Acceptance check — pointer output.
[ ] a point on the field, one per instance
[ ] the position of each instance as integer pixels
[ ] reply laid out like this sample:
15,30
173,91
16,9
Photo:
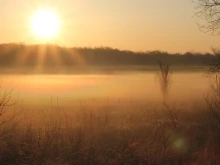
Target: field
102,82
118,118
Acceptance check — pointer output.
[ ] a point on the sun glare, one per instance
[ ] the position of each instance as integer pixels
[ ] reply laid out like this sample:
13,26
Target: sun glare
45,24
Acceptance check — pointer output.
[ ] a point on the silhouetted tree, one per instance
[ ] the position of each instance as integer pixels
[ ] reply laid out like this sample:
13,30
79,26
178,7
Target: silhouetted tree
209,10
215,66
164,76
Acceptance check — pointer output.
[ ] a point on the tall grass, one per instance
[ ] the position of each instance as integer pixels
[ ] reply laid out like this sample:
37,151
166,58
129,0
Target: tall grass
130,136
213,113
97,136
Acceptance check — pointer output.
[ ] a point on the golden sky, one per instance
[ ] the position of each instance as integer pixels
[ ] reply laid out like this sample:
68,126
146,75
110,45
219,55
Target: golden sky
139,25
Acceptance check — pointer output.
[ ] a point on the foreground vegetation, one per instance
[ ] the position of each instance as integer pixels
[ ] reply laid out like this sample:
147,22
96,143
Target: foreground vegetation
161,135
164,132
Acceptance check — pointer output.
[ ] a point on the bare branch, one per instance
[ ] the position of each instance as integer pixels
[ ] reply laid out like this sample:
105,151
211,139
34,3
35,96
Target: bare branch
209,11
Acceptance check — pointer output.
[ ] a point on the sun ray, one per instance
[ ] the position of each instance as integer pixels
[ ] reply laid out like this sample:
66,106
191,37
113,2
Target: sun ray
41,50
22,56
56,55
74,56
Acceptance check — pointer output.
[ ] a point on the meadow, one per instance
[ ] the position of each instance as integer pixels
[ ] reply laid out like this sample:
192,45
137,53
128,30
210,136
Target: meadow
118,118
88,104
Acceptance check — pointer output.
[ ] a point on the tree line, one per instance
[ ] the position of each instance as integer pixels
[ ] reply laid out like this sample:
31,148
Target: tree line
21,55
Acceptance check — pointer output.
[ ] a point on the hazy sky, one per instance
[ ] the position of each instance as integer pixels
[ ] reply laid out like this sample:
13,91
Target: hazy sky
139,25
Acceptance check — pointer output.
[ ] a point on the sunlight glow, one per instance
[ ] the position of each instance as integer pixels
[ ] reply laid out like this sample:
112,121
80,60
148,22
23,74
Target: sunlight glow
45,24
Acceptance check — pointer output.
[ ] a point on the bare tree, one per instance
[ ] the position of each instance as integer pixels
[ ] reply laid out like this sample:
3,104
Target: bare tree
214,66
209,11
7,113
164,76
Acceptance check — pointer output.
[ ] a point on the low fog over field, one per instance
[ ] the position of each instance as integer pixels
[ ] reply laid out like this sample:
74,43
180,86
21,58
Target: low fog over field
125,86
122,82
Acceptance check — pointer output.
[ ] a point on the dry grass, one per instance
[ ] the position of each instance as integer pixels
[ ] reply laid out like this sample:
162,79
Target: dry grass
98,136
126,135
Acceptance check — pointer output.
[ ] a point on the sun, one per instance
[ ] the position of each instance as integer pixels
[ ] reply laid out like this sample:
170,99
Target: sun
45,24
